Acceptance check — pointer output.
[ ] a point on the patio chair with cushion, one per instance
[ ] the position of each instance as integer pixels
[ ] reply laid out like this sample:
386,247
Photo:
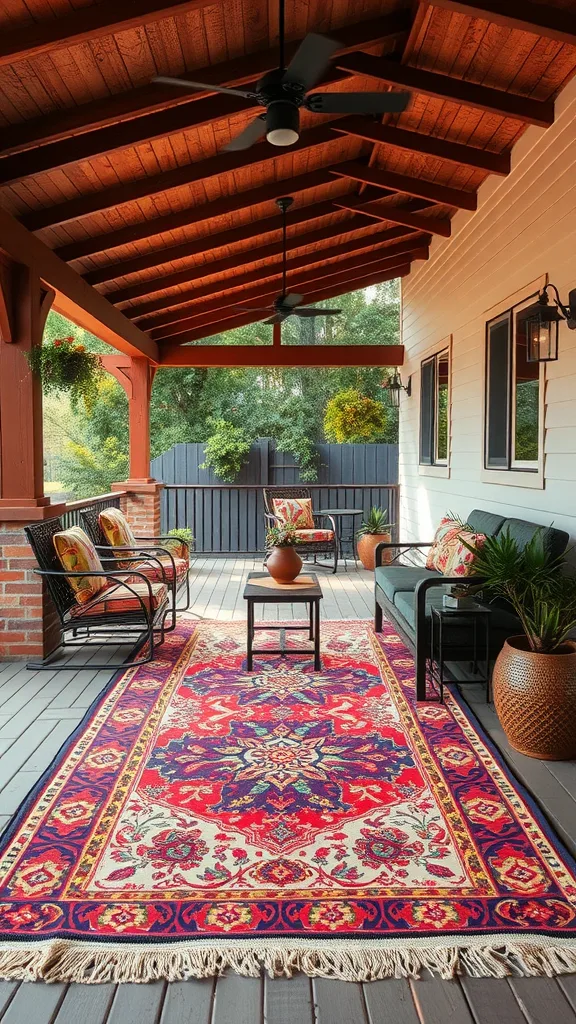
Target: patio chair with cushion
95,603
165,559
294,504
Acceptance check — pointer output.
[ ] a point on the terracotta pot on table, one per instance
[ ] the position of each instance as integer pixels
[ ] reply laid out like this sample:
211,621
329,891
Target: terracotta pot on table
535,699
284,564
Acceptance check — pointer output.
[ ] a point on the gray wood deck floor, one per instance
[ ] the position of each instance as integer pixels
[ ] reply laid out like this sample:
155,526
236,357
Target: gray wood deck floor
38,710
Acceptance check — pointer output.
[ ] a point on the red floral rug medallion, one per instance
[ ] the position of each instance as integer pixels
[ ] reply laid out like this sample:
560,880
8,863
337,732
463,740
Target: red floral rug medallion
203,816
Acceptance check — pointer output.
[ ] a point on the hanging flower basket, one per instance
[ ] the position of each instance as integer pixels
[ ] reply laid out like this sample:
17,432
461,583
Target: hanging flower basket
64,365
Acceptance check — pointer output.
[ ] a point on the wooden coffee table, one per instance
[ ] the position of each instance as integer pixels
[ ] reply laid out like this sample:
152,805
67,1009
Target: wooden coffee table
294,594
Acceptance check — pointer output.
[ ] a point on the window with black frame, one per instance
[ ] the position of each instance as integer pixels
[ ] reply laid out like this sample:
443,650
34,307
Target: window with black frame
513,396
434,409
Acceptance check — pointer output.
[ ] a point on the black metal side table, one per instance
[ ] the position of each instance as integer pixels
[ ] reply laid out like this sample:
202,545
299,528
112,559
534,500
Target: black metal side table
345,525
293,594
472,615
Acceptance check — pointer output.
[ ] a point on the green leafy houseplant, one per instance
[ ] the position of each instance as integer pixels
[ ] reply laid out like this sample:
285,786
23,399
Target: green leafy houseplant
541,593
64,365
183,534
226,450
376,522
281,536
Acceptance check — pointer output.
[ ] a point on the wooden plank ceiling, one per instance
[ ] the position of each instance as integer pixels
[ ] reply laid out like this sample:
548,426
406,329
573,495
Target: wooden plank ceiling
125,180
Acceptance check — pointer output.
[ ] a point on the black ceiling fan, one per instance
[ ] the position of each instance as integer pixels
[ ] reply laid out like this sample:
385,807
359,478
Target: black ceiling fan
283,91
287,303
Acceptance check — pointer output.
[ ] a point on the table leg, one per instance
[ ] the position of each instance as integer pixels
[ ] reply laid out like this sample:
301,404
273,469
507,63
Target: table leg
311,633
317,662
250,635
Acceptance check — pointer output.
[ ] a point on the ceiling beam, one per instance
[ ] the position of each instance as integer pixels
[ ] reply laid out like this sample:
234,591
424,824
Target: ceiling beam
252,255
206,243
382,210
196,214
181,303
74,298
404,183
147,98
442,87
337,273
557,23
425,145
86,23
221,163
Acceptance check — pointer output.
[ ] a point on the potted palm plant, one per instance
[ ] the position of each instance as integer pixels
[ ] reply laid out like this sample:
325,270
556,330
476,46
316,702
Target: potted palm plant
374,530
534,678
283,562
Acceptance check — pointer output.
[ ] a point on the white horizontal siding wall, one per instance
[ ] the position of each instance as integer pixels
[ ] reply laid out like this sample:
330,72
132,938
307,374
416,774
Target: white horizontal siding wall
525,227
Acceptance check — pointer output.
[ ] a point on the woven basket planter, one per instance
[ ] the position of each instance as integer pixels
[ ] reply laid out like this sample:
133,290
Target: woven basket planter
535,698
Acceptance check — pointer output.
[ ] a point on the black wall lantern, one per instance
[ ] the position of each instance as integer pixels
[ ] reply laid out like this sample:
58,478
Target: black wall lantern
542,319
394,387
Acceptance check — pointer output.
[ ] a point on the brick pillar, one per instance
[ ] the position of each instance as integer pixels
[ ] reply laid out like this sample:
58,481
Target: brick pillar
28,621
141,505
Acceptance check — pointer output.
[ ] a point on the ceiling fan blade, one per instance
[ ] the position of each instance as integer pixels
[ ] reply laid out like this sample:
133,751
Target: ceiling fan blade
292,299
251,309
316,312
357,102
310,61
184,82
252,132
278,318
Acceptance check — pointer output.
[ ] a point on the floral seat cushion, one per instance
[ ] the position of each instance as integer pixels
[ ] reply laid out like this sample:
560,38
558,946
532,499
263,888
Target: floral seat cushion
165,570
314,536
77,553
297,511
117,598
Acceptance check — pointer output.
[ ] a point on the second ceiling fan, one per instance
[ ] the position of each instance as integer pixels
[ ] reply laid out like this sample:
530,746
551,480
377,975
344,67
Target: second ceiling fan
287,304
283,91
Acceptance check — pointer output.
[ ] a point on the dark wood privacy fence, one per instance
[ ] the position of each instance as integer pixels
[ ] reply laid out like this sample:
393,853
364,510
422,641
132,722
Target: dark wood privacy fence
230,517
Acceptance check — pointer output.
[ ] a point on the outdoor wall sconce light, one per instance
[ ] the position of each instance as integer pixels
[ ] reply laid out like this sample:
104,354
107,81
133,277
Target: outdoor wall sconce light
542,321
394,387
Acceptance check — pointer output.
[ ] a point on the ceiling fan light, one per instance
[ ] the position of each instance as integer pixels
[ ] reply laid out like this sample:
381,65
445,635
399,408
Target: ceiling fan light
282,136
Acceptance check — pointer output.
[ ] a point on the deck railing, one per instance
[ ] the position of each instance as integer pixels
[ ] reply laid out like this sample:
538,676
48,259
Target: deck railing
71,517
229,518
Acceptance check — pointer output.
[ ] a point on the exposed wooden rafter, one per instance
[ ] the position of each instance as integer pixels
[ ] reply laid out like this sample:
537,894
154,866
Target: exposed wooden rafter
506,104
426,145
264,293
542,19
417,187
173,307
86,23
387,211
255,254
222,163
148,98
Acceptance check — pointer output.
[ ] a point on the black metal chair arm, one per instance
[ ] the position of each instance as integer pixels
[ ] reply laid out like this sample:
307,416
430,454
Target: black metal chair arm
424,586
138,551
405,546
324,515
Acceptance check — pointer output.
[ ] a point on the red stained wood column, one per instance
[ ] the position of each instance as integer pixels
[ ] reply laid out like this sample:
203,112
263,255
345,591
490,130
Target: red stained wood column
142,501
27,616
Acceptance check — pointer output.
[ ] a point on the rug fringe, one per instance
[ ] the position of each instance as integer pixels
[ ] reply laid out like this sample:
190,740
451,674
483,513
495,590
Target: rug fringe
64,961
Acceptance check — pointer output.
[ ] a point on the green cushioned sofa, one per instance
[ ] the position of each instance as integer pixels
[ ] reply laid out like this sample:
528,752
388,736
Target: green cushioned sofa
404,594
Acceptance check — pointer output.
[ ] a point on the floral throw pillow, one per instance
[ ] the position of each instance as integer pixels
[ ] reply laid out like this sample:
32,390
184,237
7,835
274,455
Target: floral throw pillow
77,553
461,560
446,535
298,511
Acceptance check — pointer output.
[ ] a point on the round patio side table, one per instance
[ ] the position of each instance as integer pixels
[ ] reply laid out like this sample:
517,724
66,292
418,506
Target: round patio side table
346,528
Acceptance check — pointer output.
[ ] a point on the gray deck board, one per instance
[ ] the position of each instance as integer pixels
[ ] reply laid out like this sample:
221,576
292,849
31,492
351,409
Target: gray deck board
45,707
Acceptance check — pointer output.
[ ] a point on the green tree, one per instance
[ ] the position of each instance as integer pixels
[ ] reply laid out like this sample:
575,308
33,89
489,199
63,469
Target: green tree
353,418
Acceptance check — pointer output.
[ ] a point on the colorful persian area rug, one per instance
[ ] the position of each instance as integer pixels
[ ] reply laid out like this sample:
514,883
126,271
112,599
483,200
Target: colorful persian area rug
203,817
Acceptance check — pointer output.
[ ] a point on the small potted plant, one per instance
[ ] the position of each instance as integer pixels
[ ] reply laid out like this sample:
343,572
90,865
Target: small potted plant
460,595
534,678
374,530
283,562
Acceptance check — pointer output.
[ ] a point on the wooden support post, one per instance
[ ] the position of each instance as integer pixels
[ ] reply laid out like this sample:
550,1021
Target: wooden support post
142,502
27,616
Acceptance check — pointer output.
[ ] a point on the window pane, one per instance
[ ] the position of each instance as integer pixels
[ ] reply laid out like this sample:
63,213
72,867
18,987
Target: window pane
442,370
497,399
526,398
427,412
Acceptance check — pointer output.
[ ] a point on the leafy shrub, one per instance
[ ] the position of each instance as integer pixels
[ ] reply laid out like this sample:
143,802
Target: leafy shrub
353,418
86,472
282,536
226,450
304,451
183,534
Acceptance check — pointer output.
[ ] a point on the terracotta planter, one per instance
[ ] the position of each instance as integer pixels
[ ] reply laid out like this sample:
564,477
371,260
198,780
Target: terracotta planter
535,698
367,545
284,564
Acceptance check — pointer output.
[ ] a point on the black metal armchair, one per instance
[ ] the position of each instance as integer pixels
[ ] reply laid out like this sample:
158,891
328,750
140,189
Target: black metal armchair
131,609
326,545
154,552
